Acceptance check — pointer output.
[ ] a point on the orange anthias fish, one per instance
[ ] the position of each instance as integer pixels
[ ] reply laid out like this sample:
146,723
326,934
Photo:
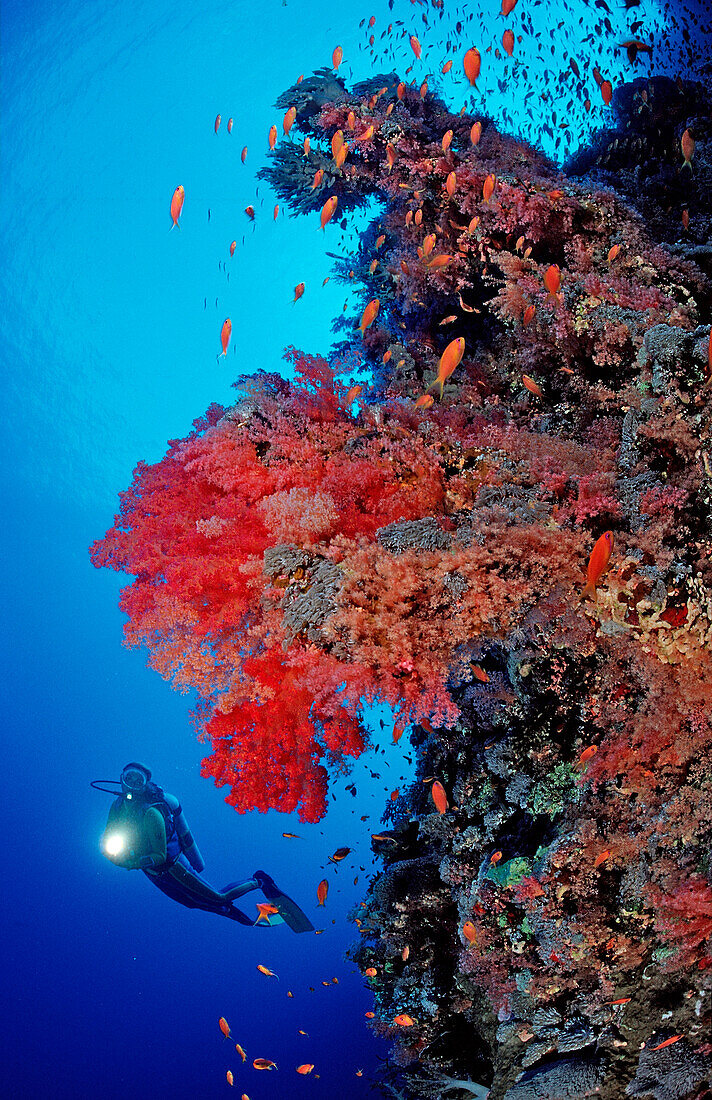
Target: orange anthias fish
508,42
488,187
495,857
264,1063
449,360
229,125
177,203
224,1027
369,315
328,210
469,931
472,63
687,143
321,891
588,753
601,857
218,120
272,137
265,911
250,211
241,1052
480,674
667,1042
267,972
425,401
351,395
229,1078
531,385
598,564
318,177
306,1068
451,184
476,132
291,836
225,333
508,6
415,45
437,792
404,1020
243,154
288,120
298,291
233,246
339,854
337,57
552,280
370,972
606,91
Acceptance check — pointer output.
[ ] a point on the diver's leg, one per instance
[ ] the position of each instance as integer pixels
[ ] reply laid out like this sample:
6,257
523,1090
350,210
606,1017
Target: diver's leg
233,913
192,882
237,889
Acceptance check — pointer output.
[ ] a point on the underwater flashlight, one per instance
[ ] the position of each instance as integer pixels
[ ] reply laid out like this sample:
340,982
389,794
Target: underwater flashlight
114,844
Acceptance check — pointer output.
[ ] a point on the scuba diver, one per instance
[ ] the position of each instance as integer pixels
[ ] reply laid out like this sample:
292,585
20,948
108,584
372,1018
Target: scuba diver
147,831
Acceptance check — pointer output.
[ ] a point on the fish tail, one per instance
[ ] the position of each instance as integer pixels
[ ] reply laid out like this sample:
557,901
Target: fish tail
589,592
442,383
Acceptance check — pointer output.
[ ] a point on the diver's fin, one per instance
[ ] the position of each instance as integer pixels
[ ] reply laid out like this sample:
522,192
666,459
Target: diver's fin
288,909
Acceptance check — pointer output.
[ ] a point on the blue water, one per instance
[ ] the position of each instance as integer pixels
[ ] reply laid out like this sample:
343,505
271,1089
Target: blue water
107,351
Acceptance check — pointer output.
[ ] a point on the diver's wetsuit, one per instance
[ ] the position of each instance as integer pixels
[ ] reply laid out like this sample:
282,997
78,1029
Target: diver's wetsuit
170,856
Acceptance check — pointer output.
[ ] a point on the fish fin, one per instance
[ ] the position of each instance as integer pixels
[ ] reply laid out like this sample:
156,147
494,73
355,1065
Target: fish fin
589,592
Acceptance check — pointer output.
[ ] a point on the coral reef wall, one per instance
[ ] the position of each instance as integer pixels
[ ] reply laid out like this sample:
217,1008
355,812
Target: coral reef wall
539,389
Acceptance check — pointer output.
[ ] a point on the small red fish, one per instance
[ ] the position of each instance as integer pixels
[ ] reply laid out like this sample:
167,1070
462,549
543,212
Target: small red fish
531,385
601,857
225,334
370,972
472,62
425,401
218,120
264,1063
177,203
439,797
266,971
288,120
667,1043
337,57
328,210
606,91
265,911
598,564
469,931
588,753
449,360
322,890
528,314
508,6
305,1069
508,42
229,1078
415,45
233,246
224,1027
476,133
495,858
272,137
613,252
369,315
552,280
229,125
480,674
298,291
687,144
243,154
404,1020
620,1001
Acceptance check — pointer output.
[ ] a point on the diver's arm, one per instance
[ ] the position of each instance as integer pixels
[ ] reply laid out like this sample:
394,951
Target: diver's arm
188,846
154,829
